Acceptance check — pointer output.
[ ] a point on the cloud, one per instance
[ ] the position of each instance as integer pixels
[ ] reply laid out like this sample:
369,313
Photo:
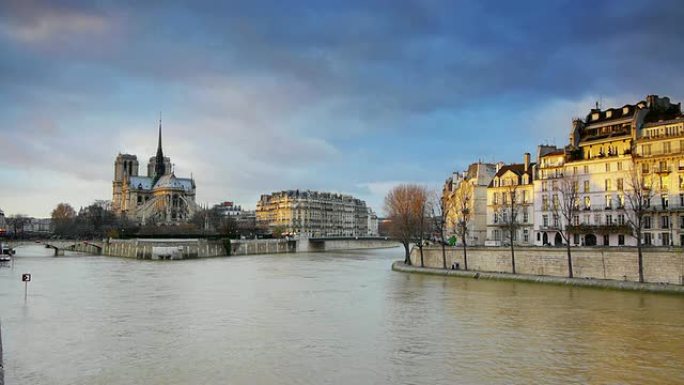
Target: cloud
34,24
259,96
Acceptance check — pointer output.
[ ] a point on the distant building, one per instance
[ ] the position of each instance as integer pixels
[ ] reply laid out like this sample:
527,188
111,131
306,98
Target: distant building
38,225
3,223
158,198
228,209
373,224
316,214
384,226
245,220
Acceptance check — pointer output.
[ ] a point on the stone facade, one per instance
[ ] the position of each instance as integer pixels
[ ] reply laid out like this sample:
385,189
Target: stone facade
659,158
465,194
510,198
607,150
315,214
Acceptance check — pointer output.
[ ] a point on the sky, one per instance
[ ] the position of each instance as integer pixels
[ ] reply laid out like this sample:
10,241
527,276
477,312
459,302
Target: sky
344,96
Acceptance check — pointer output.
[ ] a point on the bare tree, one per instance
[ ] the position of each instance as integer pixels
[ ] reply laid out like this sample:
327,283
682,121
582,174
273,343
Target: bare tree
421,206
565,206
403,207
507,211
462,201
17,223
638,196
440,213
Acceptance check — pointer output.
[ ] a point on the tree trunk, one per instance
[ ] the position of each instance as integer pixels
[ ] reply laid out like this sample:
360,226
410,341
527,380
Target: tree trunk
512,256
422,263
407,257
567,244
443,255
640,261
465,255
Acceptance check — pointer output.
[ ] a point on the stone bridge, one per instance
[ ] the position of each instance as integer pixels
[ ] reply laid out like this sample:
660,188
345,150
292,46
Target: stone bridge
343,243
59,246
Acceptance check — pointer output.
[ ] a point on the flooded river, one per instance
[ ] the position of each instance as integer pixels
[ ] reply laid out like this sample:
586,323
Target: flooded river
331,318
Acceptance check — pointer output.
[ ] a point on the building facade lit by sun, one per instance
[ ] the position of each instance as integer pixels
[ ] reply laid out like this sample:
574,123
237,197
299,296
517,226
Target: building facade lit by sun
607,150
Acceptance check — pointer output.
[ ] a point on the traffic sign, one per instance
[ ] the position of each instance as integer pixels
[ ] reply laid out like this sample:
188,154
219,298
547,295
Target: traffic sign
26,277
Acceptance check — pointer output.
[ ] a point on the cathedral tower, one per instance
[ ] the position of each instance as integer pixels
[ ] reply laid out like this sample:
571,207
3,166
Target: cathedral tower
125,165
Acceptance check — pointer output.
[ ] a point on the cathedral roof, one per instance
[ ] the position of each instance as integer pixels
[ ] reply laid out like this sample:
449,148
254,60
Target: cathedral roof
141,182
170,181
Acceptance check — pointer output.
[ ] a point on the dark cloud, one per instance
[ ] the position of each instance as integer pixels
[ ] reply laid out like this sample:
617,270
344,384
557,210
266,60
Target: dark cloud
346,96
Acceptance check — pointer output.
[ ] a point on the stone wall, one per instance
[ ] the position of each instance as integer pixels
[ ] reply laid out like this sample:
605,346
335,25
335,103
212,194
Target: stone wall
163,248
660,265
354,244
305,245
192,248
262,246
84,247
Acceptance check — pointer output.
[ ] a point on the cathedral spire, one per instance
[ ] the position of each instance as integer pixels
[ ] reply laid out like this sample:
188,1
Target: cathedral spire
159,167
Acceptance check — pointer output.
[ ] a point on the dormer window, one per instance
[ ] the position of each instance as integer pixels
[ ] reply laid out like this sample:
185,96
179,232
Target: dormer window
595,116
609,114
625,110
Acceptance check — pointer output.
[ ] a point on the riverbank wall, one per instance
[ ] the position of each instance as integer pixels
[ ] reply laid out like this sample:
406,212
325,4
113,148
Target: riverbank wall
262,246
581,282
192,248
163,248
306,245
661,266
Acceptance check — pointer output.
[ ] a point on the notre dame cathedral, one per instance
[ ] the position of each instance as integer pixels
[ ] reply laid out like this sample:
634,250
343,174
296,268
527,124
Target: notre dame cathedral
158,198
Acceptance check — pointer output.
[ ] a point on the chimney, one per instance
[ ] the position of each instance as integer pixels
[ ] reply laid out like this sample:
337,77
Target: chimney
526,161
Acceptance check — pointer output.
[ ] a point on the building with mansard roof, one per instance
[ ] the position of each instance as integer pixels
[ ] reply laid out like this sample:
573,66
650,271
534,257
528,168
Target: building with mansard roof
160,197
465,197
510,197
315,214
607,150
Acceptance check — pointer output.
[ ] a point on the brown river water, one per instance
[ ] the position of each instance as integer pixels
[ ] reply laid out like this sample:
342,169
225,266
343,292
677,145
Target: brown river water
321,318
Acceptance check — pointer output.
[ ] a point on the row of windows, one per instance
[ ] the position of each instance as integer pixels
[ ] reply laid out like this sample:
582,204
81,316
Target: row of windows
504,197
503,217
608,166
672,130
619,219
499,235
586,186
665,148
586,202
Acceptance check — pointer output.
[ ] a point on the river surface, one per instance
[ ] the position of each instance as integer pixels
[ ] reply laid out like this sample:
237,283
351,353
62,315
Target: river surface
331,318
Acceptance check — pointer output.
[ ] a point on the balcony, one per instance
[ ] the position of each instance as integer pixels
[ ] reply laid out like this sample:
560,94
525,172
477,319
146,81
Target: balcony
662,170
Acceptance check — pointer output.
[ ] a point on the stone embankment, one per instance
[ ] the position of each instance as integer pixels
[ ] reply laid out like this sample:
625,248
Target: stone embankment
192,248
603,267
584,282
